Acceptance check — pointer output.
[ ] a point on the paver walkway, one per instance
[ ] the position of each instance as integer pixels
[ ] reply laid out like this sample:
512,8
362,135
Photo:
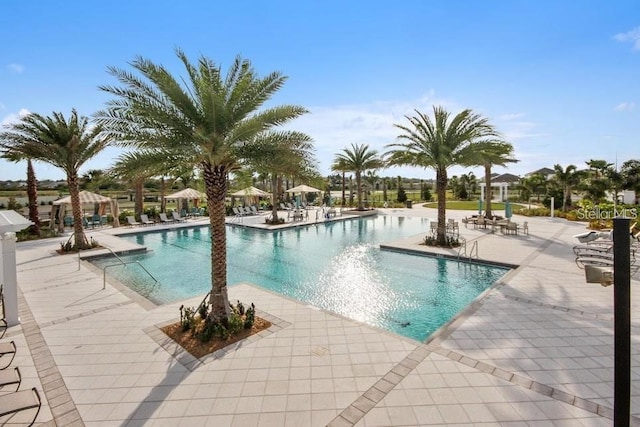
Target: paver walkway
536,349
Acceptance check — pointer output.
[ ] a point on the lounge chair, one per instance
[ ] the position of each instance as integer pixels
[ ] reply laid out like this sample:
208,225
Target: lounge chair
237,211
131,221
19,401
247,210
68,221
254,210
283,207
7,349
177,217
164,219
96,220
145,220
10,377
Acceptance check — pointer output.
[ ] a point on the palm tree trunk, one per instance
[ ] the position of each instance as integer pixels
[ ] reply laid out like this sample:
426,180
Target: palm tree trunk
139,205
163,189
32,196
487,190
344,187
274,198
216,185
359,190
441,190
384,189
78,228
564,199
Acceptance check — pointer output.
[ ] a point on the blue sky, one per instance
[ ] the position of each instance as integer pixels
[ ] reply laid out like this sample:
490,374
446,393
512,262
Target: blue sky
560,80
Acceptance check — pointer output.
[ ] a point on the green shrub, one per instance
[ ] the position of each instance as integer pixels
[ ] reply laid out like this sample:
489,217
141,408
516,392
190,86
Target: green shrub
203,327
449,241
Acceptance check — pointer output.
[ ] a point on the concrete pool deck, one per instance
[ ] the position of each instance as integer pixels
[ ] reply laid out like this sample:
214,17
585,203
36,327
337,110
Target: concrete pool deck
536,349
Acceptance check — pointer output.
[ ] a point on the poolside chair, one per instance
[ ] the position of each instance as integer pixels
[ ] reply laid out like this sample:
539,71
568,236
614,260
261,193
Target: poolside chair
145,220
511,228
164,219
237,211
68,221
131,221
177,218
254,210
248,211
96,220
10,377
7,349
195,212
525,227
283,207
19,401
85,222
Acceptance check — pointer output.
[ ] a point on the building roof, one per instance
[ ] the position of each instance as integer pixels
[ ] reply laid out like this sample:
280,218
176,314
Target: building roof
506,177
542,171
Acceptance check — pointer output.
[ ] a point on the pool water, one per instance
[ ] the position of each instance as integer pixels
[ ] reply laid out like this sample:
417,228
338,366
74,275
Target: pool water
336,266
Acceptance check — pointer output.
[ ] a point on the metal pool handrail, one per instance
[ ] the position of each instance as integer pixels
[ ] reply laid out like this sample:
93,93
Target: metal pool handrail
122,262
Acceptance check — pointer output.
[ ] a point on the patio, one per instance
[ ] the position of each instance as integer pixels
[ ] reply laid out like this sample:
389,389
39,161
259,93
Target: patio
534,349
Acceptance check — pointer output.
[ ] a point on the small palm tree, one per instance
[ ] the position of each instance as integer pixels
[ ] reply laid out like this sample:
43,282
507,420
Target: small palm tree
339,165
440,143
64,143
493,153
209,117
358,159
567,178
32,191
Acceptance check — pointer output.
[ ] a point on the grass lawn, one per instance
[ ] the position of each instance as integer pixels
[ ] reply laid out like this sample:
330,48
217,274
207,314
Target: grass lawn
467,205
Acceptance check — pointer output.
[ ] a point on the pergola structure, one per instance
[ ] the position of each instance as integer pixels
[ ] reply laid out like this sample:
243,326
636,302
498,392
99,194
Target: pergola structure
502,186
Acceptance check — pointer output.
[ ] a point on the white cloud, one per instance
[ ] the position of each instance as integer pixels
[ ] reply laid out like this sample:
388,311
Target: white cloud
511,116
16,68
14,117
335,128
626,106
632,36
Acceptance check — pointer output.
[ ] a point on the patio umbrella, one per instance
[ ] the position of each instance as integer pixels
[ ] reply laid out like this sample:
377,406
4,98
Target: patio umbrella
87,197
303,189
186,194
251,192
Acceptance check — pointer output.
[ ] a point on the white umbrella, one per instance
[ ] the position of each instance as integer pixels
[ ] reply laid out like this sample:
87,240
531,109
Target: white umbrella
187,193
303,189
87,197
251,191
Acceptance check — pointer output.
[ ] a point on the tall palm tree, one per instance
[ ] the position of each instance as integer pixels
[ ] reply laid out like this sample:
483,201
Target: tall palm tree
567,178
64,143
32,191
280,153
209,116
358,159
137,166
440,143
339,165
493,153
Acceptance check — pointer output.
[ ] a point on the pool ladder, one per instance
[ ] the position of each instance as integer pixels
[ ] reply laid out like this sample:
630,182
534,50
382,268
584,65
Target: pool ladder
462,252
122,262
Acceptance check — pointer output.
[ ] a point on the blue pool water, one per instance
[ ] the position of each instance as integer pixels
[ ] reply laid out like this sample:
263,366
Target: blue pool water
336,266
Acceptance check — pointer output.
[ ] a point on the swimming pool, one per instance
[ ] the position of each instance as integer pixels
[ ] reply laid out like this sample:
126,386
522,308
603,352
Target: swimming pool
336,266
